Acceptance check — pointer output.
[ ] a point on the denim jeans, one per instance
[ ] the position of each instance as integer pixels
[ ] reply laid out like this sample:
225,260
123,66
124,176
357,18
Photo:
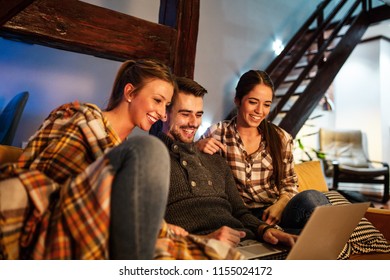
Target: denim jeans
139,196
298,210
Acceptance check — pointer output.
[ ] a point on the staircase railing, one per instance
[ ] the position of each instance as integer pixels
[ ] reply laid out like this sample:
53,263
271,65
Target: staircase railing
293,43
298,48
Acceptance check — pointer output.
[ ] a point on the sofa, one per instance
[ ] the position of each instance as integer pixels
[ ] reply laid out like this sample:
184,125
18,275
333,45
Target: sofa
373,230
310,176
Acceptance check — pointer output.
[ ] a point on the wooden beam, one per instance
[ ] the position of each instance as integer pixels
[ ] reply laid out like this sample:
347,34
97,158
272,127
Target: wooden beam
184,16
84,28
11,8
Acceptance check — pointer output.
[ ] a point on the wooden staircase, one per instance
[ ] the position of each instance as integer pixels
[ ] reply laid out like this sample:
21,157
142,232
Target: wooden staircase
305,69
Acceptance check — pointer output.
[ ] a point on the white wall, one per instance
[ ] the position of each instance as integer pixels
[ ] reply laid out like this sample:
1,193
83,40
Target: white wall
234,36
362,96
384,65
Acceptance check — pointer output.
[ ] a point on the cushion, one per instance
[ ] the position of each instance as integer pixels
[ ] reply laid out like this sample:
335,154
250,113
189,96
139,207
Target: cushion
365,238
310,176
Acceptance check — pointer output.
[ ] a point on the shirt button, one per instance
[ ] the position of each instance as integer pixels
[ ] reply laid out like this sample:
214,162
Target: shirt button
184,163
193,183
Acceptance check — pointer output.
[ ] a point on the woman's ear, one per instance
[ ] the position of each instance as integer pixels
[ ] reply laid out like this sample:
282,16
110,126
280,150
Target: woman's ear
128,91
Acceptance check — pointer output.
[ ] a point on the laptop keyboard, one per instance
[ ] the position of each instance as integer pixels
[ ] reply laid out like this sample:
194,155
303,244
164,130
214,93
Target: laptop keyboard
277,255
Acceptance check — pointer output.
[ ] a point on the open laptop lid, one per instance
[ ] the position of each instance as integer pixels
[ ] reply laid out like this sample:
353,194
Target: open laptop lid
327,231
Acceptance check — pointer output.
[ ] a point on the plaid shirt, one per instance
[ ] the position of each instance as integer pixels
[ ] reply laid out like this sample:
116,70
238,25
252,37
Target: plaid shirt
68,185
254,173
55,201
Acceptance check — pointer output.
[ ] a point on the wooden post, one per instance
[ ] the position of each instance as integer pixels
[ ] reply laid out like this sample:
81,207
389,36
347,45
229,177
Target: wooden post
183,15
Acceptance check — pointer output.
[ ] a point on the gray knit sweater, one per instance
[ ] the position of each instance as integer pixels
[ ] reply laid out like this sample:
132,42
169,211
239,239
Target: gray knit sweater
203,196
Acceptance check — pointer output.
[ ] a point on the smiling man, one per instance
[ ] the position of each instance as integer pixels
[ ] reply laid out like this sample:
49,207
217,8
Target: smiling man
203,198
185,118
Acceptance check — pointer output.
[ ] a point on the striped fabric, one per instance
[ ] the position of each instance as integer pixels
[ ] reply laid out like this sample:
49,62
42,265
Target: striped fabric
254,173
365,238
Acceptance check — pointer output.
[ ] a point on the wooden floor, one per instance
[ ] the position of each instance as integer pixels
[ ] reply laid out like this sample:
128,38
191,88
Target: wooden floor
371,192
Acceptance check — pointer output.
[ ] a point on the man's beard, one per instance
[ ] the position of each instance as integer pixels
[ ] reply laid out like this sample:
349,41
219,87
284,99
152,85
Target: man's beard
179,137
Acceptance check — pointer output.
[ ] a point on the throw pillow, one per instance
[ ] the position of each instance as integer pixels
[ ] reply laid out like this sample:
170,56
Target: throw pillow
310,176
365,238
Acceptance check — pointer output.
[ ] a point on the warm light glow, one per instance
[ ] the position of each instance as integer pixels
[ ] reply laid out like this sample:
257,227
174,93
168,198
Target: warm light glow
277,46
202,128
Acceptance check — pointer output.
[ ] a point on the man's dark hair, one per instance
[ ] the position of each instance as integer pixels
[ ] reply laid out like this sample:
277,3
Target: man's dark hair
187,86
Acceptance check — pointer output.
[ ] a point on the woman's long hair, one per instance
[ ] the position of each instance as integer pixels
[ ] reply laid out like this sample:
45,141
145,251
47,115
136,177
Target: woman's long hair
138,72
272,133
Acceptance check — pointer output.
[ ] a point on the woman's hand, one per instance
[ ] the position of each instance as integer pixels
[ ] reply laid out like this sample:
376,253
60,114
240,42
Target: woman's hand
273,214
210,146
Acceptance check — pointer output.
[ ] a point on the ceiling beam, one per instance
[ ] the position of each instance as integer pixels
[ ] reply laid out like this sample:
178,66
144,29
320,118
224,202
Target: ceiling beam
11,8
84,28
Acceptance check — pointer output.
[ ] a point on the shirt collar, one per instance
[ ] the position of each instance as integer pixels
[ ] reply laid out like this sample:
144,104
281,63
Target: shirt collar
233,122
176,146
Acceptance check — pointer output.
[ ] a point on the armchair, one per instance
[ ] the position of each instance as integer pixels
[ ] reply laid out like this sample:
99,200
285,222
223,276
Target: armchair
346,160
10,117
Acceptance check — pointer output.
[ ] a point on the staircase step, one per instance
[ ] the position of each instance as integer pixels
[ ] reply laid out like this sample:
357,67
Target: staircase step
314,52
280,92
288,105
292,79
278,118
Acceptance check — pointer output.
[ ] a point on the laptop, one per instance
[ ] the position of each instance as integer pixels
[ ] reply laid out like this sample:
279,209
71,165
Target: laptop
323,237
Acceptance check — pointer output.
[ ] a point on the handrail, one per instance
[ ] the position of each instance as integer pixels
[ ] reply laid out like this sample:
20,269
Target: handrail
319,30
300,33
321,50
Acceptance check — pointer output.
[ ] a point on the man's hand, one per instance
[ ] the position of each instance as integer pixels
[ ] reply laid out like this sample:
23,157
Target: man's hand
227,235
210,146
177,230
